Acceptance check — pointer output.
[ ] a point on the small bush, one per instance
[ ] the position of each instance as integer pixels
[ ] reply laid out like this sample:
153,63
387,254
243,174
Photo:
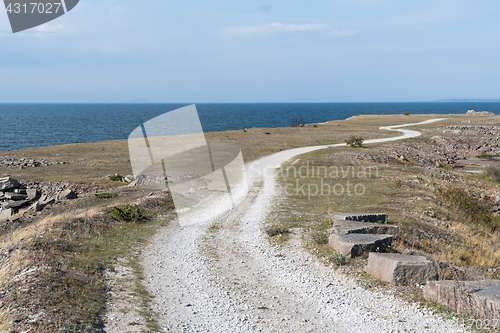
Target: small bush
315,125
127,213
116,178
267,133
320,238
271,232
106,195
494,173
355,141
484,155
339,260
407,113
477,210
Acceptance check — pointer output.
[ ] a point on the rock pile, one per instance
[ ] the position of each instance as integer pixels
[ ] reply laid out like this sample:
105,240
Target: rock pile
15,196
25,163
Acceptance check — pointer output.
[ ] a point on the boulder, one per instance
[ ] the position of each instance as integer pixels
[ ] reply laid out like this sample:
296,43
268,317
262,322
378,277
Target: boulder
47,201
401,270
477,298
7,183
354,245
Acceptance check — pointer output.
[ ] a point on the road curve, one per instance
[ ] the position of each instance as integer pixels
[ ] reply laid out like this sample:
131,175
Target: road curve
227,278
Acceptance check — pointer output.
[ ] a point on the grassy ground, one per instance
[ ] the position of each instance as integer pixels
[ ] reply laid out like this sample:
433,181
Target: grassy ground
62,258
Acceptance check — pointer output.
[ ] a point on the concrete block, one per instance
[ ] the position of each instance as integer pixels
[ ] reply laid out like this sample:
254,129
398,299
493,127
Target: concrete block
400,269
361,217
354,245
478,298
352,227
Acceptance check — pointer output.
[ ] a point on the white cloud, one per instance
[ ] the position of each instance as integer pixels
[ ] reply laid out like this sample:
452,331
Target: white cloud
342,33
267,29
47,28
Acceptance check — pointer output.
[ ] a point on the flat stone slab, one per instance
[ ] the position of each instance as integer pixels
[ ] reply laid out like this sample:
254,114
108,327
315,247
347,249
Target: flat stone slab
7,183
354,245
353,227
361,217
478,298
400,269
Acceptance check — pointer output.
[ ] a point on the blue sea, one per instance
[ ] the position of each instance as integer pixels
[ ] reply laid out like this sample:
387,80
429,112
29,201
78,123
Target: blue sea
38,125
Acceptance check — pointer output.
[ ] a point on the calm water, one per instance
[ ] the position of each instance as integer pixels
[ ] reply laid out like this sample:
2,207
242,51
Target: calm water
38,125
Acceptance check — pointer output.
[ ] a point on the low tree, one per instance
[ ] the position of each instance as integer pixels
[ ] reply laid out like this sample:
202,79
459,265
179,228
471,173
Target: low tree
355,141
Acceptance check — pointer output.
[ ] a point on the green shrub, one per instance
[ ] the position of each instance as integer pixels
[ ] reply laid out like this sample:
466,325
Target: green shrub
271,232
106,195
407,113
320,238
494,173
339,260
267,133
476,210
116,178
127,213
484,155
355,141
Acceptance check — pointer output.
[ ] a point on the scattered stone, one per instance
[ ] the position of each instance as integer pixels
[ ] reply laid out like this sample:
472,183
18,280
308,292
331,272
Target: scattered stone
401,270
477,298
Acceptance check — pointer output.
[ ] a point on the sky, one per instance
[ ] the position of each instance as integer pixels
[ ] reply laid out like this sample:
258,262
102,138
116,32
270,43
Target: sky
200,51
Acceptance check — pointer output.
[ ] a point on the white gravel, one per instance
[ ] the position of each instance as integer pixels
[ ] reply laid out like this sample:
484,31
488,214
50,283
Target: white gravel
228,279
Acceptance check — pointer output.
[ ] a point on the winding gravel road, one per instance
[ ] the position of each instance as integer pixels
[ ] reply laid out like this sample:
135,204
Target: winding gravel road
225,277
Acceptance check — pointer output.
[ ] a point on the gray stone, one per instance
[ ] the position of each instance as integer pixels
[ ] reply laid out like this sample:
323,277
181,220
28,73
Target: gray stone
18,204
36,207
15,196
5,213
8,183
33,194
128,178
67,195
48,201
477,298
401,270
354,245
361,217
